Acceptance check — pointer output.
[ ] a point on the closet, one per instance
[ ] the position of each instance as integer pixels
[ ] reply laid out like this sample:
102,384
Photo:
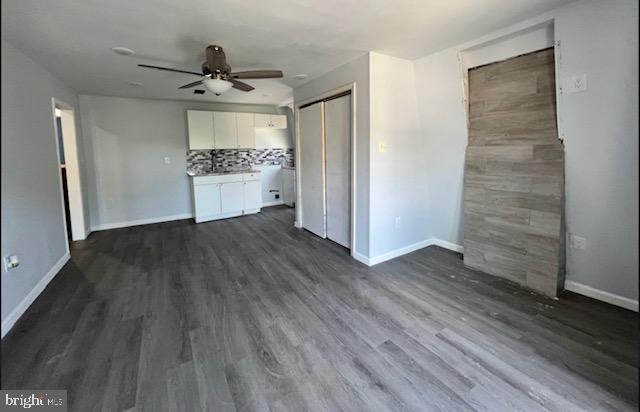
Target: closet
325,168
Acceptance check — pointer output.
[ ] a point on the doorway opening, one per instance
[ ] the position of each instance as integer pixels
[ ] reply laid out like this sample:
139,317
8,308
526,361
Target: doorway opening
69,170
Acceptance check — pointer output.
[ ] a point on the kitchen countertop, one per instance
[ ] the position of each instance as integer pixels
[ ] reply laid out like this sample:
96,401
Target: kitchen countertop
218,172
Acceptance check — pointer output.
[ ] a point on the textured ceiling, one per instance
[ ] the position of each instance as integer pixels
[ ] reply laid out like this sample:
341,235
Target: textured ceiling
72,38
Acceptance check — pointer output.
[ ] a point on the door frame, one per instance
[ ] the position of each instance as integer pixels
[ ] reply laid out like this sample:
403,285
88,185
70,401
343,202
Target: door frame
70,141
349,87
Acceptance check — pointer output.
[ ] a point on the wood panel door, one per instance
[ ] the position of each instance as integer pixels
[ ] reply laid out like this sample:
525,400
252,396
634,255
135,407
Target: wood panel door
312,163
514,173
337,122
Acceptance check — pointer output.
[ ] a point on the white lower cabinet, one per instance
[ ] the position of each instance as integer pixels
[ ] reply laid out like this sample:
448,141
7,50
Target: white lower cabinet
222,196
232,195
207,200
252,195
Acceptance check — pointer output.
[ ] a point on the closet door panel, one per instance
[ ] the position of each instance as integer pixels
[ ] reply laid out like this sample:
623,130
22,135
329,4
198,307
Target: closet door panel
312,169
338,169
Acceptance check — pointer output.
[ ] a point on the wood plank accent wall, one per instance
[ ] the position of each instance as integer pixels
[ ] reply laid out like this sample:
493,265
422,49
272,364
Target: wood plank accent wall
514,174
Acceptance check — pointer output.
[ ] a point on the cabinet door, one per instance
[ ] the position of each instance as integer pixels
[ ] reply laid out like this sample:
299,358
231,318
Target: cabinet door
262,120
279,121
225,130
288,186
200,128
252,195
232,197
246,131
207,200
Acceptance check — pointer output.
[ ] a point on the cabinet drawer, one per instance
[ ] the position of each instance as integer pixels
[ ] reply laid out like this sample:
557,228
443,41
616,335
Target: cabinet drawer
204,180
250,176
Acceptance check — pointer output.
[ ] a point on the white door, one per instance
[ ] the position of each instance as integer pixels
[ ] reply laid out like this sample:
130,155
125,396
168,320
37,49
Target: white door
207,200
200,128
225,130
252,195
232,197
337,120
246,131
312,169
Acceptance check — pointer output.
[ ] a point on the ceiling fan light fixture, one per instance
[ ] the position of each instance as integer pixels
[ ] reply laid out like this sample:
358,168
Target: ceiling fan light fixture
217,86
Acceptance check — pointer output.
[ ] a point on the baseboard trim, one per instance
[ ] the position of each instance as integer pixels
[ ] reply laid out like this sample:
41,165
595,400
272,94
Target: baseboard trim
22,307
399,252
276,203
149,221
370,261
447,245
360,258
598,294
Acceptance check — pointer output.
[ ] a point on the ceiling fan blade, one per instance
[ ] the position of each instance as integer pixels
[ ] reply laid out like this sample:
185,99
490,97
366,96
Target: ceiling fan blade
257,74
240,85
189,85
169,69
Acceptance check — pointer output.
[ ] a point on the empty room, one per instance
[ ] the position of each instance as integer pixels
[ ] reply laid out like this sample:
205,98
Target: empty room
319,205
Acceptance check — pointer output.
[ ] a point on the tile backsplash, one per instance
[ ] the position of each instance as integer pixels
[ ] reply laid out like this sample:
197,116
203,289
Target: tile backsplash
201,160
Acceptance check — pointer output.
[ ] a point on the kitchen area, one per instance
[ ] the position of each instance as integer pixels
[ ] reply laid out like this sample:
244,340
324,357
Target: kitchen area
239,163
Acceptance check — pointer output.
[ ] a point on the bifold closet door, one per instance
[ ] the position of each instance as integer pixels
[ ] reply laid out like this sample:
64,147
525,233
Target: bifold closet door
312,164
337,120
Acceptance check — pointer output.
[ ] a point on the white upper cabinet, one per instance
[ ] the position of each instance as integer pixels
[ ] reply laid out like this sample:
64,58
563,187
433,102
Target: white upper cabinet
278,121
200,127
275,121
228,130
262,120
246,130
225,130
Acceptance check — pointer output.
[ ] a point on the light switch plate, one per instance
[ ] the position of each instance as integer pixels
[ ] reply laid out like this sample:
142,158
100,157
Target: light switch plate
576,83
382,147
578,242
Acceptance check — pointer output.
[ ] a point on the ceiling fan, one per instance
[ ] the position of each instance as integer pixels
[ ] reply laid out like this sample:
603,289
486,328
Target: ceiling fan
218,77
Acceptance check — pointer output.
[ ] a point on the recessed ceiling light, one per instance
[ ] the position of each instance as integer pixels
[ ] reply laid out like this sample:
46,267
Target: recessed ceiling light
122,50
135,83
301,76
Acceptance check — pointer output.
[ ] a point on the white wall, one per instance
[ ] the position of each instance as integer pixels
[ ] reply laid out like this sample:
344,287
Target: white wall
356,71
398,174
126,141
600,128
32,213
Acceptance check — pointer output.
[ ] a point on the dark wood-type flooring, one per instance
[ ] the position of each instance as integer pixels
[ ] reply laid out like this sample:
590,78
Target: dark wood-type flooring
253,314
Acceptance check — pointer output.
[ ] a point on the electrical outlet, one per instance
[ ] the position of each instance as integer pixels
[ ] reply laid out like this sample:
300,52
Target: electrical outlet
11,262
578,242
576,84
397,222
167,160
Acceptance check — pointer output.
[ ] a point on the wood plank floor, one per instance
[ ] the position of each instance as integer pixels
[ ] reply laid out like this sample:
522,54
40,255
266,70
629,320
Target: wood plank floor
251,314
